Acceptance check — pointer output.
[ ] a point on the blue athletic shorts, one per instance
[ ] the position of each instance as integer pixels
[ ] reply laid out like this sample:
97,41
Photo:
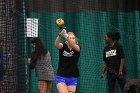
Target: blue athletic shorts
72,81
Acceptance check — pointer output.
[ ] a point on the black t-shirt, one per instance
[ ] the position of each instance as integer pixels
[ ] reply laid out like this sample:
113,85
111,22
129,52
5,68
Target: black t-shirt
68,60
112,57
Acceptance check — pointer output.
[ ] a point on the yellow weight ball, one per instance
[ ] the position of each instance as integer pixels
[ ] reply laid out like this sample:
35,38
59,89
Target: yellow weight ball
59,22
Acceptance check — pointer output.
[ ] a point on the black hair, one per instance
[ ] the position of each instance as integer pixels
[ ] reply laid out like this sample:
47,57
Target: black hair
114,35
36,40
40,50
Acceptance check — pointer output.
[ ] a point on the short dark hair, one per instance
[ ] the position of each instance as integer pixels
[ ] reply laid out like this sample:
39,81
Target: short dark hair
114,35
36,40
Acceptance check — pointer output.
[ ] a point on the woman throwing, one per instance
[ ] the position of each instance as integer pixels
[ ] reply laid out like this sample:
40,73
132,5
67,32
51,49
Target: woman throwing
69,53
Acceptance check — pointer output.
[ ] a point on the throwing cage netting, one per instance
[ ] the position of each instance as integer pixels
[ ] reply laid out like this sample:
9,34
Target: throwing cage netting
14,53
88,19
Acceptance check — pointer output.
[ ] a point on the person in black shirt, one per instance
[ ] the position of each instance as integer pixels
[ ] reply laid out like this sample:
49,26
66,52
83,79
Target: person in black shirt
69,53
113,57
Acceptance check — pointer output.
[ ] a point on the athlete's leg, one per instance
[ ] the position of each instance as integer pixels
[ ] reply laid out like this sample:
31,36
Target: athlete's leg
42,86
49,86
71,89
71,83
111,85
122,82
62,87
61,84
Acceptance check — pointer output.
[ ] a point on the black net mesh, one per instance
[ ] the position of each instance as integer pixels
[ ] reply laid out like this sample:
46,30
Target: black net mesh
9,37
12,36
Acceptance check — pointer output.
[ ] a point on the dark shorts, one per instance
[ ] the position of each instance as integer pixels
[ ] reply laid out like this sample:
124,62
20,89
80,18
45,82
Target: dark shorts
72,81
